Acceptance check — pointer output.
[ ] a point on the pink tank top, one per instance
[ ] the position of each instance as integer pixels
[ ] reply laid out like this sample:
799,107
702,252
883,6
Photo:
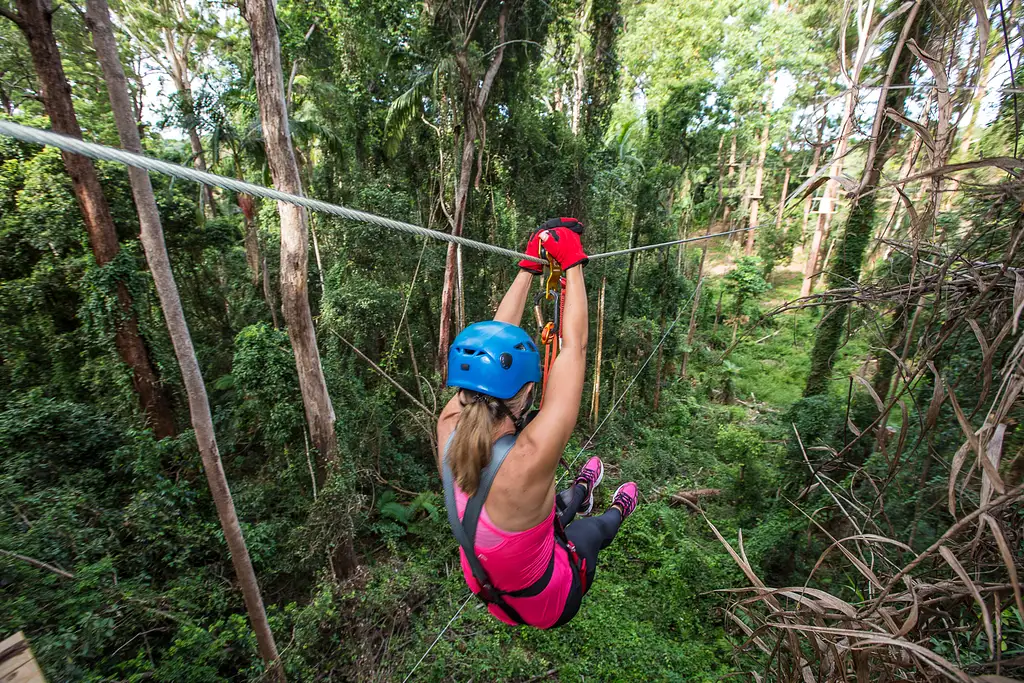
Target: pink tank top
514,560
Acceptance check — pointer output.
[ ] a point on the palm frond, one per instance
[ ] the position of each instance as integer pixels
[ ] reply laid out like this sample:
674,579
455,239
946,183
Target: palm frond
410,104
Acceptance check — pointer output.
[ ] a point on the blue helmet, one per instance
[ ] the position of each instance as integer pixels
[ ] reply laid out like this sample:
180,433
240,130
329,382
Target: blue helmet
493,358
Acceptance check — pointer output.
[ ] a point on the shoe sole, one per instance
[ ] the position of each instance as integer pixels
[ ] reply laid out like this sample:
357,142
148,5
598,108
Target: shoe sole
600,478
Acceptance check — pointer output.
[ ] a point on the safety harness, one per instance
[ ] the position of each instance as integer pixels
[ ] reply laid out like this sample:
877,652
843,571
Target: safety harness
465,533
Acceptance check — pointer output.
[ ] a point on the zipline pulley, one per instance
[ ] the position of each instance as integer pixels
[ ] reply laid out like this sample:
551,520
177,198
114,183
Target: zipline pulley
550,332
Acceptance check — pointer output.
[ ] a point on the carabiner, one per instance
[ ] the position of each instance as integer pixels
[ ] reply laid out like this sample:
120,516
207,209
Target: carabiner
554,275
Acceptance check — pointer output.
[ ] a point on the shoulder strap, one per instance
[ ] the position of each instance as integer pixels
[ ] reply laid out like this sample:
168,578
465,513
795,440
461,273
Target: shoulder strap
464,530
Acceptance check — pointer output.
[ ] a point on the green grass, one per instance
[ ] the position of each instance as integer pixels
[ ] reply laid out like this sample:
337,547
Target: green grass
774,371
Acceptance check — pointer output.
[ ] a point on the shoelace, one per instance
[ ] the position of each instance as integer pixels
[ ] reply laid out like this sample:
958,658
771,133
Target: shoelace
627,501
589,476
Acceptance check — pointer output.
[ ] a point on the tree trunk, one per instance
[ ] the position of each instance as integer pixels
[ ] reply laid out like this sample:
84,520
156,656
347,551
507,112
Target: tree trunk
34,18
798,248
727,209
251,237
755,199
745,199
266,57
692,330
823,263
595,399
782,204
450,264
579,73
828,200
268,294
266,53
477,90
850,247
177,61
98,20
603,71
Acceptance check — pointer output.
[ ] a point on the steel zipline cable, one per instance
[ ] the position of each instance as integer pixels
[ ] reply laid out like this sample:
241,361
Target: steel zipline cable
104,153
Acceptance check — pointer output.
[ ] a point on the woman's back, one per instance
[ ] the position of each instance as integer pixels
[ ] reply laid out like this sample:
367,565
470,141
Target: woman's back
524,486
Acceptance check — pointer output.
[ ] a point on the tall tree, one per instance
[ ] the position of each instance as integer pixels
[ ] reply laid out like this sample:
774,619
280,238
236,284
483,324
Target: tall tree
169,31
98,21
755,199
266,57
860,223
476,89
868,27
34,18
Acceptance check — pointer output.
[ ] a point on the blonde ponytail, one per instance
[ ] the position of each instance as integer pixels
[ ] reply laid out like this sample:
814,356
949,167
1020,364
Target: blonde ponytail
474,434
471,448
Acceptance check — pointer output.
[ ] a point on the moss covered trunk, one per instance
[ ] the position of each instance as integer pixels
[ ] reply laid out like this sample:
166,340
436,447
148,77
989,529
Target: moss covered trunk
849,250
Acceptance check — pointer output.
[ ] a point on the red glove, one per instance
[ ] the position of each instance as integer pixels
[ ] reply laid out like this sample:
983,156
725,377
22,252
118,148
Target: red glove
564,246
533,246
533,249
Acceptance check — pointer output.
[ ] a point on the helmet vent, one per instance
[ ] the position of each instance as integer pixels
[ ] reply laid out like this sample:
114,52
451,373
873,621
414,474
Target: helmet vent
520,346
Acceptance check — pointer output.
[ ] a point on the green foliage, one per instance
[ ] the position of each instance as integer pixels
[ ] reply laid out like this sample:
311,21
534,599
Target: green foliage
620,114
265,387
746,281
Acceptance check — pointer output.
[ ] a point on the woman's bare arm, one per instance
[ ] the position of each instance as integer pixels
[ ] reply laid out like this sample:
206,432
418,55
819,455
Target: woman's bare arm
548,433
514,303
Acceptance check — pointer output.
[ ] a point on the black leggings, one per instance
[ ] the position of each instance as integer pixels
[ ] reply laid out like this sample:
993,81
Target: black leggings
590,535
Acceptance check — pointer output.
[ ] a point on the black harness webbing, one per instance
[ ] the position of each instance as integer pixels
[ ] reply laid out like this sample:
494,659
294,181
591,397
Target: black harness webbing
464,530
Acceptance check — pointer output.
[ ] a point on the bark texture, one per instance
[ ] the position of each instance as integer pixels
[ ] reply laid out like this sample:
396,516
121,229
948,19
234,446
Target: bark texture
34,18
98,21
266,56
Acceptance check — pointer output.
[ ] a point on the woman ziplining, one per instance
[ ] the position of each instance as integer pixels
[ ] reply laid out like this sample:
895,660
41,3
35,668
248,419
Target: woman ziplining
521,551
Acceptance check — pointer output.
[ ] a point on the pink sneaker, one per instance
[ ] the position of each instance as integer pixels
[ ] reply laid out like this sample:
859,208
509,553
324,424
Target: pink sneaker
590,476
626,497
